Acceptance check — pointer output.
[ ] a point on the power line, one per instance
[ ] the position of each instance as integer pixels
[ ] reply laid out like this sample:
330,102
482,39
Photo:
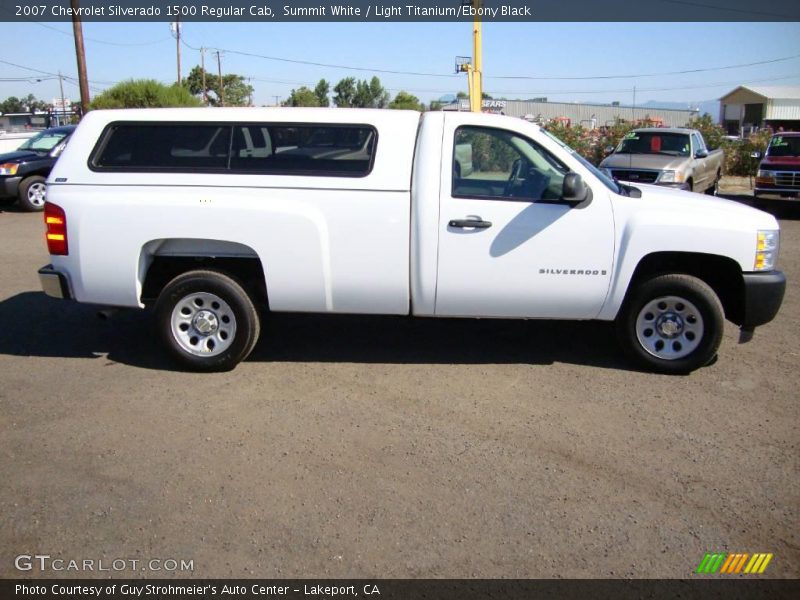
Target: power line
96,41
728,9
526,77
632,76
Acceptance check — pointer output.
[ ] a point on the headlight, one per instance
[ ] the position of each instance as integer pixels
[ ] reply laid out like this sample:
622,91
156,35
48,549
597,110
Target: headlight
670,177
763,176
9,169
767,246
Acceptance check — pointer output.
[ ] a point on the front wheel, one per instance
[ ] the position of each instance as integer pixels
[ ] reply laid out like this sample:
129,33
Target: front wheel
672,324
207,321
31,193
714,189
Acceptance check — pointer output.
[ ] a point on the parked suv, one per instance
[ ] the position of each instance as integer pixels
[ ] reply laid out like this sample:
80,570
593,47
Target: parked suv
23,172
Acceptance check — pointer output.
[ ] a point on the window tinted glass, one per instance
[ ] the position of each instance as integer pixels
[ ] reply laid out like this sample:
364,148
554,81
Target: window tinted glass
152,147
493,163
303,149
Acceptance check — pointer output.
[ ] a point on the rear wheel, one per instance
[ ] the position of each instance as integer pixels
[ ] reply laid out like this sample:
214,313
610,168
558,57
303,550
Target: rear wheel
672,324
207,321
31,193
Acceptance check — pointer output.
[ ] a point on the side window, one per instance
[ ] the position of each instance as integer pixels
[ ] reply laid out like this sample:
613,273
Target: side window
494,163
698,142
304,149
281,149
152,147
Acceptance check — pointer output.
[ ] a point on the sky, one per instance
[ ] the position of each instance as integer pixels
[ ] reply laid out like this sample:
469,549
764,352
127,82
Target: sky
119,51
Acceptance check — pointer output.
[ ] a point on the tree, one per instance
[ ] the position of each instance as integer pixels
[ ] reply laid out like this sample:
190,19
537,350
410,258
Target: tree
12,104
360,94
713,134
302,97
345,93
406,101
321,92
236,90
144,93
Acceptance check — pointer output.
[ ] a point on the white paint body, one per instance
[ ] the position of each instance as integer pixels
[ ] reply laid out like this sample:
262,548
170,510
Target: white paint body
381,243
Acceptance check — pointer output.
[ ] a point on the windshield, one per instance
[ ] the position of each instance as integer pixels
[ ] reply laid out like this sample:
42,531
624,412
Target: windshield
43,142
784,146
604,179
657,142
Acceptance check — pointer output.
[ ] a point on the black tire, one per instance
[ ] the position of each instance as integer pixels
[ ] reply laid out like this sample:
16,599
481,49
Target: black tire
686,317
220,299
31,193
714,189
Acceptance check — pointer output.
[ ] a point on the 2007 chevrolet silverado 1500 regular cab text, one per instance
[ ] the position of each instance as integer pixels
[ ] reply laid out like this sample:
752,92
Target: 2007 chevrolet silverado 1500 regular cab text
211,214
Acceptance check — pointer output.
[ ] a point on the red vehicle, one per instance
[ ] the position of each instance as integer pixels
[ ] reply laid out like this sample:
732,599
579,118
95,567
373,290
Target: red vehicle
779,171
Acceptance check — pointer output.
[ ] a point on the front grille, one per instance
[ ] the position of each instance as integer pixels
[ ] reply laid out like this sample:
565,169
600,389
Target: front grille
787,179
635,175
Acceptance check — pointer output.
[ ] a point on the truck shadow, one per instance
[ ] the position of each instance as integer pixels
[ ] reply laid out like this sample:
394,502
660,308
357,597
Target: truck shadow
35,325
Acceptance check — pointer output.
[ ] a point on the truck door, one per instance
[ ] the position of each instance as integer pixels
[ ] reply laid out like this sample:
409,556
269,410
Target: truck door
700,166
507,246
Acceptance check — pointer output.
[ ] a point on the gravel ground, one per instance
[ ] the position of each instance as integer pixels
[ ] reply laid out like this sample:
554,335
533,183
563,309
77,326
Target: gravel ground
385,447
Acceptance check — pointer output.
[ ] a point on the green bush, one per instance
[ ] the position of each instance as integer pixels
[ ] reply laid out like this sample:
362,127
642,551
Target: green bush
738,153
144,93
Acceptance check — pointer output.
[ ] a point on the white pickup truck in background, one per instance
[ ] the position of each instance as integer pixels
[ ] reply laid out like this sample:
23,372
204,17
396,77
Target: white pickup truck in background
212,214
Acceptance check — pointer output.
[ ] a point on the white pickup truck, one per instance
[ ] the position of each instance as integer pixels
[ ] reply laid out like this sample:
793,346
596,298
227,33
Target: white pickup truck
215,216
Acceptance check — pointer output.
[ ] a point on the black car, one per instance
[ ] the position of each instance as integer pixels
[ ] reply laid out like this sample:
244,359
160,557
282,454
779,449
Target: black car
24,171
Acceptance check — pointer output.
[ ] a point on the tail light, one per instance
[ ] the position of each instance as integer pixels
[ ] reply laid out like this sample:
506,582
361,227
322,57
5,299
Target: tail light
55,219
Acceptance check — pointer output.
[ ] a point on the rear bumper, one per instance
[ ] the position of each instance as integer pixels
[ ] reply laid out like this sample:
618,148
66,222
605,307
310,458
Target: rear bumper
9,187
54,283
763,295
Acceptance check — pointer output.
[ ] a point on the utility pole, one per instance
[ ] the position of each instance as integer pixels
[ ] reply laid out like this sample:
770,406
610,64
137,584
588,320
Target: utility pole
80,52
203,71
63,100
476,92
221,88
277,98
474,68
178,45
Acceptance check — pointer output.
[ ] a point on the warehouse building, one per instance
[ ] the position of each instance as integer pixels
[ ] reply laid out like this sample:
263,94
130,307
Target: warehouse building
752,107
590,116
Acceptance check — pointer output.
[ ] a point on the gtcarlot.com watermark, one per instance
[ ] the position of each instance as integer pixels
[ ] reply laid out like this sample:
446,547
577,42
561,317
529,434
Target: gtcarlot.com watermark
45,562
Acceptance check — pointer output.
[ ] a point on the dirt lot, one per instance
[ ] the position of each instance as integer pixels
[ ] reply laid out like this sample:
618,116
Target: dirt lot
384,447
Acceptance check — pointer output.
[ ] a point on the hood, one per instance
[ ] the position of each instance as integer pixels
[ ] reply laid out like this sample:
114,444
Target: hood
696,206
778,161
18,156
656,162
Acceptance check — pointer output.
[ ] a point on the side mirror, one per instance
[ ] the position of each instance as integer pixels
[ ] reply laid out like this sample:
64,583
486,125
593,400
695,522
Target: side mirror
701,154
755,154
574,190
609,149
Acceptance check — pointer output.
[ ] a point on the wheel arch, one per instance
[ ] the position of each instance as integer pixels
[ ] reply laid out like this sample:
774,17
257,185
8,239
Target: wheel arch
721,273
161,260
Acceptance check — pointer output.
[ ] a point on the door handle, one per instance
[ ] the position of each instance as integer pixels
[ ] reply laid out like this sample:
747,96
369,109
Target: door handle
464,223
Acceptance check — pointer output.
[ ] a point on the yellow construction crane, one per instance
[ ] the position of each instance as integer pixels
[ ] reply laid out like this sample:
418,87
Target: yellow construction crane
474,68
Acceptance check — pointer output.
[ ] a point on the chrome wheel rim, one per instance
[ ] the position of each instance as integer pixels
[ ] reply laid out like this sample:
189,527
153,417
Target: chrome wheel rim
36,193
203,324
669,327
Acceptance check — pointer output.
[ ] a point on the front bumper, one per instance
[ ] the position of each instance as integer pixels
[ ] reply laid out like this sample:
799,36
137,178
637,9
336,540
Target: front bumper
54,283
9,187
763,295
